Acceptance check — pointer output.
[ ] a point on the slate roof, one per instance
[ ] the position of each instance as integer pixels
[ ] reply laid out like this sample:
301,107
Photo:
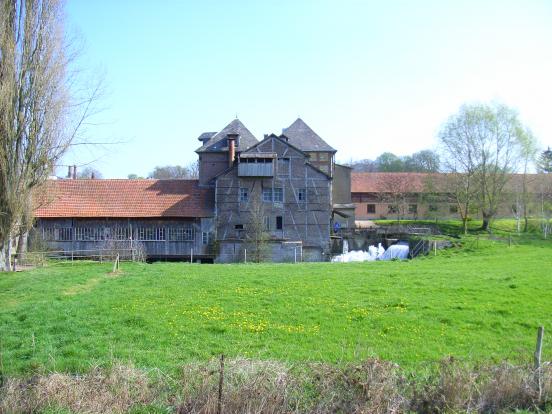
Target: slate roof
125,199
304,138
206,135
218,141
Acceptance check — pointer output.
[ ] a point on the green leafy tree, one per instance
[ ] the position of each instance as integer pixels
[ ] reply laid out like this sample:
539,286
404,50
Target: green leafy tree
389,162
544,161
425,161
483,143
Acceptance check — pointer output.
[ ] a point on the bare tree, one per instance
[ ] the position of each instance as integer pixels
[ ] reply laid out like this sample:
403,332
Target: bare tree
482,144
397,190
167,172
529,150
89,173
39,116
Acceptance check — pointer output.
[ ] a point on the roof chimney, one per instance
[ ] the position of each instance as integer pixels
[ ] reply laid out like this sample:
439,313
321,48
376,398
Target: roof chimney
70,172
74,172
231,148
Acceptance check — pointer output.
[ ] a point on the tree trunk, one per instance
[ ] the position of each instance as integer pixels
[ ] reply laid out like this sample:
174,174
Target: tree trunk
22,243
2,258
486,222
465,224
5,256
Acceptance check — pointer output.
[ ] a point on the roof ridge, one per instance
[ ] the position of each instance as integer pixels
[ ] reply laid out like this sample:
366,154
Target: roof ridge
304,137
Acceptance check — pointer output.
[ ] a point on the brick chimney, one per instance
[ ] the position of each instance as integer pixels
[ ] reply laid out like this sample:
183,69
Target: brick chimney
232,138
74,172
70,172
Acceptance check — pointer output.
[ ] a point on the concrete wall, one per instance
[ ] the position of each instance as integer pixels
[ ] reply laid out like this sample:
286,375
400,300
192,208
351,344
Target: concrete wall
341,188
235,251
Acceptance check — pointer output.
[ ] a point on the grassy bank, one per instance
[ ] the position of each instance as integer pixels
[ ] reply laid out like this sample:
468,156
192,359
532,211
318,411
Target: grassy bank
252,386
479,302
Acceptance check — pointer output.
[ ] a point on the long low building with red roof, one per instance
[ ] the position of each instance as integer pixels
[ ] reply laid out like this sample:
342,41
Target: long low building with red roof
170,218
407,195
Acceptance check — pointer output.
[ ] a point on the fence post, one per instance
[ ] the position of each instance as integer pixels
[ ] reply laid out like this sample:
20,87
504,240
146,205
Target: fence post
295,254
435,247
191,255
538,354
245,255
221,380
116,264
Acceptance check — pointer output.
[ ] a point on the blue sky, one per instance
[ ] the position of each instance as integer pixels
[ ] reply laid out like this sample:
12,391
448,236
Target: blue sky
367,76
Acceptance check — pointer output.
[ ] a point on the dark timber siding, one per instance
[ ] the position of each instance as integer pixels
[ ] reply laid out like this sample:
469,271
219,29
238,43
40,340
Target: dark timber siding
306,220
92,234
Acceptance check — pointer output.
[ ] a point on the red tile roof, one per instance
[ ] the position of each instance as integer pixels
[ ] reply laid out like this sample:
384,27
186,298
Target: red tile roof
370,182
378,182
125,198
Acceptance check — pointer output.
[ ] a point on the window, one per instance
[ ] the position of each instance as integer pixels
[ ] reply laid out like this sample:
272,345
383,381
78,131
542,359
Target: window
120,233
244,194
267,223
181,234
283,166
279,195
267,194
145,234
433,207
160,233
413,208
302,194
392,208
238,227
205,237
279,223
371,208
88,234
65,234
453,208
48,233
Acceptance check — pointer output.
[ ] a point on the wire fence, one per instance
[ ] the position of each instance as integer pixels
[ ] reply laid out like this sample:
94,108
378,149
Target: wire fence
37,259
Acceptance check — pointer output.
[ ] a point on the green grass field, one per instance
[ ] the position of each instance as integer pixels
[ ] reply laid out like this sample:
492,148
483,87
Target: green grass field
477,302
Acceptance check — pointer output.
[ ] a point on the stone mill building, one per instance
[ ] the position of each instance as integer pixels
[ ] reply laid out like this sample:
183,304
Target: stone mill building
277,199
